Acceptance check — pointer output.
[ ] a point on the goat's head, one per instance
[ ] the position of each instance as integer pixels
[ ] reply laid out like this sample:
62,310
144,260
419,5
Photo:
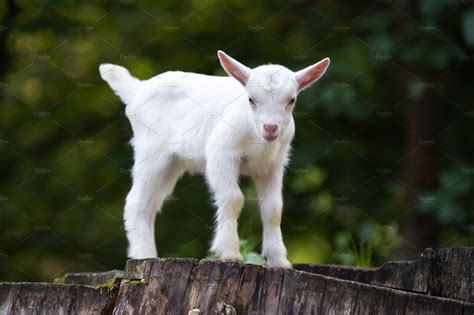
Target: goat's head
272,91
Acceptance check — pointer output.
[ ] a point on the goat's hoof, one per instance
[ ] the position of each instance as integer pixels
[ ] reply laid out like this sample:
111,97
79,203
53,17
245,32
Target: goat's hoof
233,257
279,263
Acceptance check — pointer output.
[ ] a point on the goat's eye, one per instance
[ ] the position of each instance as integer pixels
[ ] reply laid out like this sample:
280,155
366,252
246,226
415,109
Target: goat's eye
292,101
251,101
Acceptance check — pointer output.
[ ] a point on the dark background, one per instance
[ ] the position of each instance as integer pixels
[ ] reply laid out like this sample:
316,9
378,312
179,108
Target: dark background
382,165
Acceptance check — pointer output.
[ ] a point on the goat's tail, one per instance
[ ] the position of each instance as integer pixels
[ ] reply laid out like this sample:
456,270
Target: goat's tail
120,80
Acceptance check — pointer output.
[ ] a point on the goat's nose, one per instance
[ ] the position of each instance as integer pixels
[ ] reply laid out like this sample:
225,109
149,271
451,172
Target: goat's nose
270,128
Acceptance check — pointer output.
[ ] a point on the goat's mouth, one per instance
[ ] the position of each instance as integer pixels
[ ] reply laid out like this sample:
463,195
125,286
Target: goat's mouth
270,137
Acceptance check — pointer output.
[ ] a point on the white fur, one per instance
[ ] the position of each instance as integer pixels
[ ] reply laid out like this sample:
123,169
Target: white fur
187,122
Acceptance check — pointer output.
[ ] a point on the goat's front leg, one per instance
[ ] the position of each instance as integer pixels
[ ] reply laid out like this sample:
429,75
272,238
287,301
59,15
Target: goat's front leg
269,190
222,175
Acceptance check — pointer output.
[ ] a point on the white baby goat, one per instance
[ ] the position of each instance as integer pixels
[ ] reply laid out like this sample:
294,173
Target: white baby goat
222,127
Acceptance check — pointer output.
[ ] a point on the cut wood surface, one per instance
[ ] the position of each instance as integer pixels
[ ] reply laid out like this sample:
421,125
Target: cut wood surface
440,282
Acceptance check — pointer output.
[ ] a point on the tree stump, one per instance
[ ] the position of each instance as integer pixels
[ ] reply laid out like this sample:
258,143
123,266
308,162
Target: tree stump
440,282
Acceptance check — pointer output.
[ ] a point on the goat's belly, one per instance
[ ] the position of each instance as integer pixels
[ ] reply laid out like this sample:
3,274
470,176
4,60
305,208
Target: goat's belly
193,166
245,170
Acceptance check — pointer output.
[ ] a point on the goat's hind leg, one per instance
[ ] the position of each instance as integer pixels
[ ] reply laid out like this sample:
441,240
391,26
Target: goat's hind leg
223,175
153,181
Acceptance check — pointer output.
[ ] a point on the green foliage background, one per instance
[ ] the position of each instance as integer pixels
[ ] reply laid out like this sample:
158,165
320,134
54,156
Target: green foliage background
64,157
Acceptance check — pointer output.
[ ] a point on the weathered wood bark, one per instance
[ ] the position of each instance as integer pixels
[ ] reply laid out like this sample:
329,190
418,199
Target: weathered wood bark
453,274
404,275
45,298
448,272
440,282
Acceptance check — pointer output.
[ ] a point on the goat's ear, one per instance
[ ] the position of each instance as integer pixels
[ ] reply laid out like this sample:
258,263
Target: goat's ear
311,74
234,68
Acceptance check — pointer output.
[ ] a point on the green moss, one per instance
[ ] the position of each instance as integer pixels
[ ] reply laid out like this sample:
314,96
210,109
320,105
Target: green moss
109,284
60,280
135,281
